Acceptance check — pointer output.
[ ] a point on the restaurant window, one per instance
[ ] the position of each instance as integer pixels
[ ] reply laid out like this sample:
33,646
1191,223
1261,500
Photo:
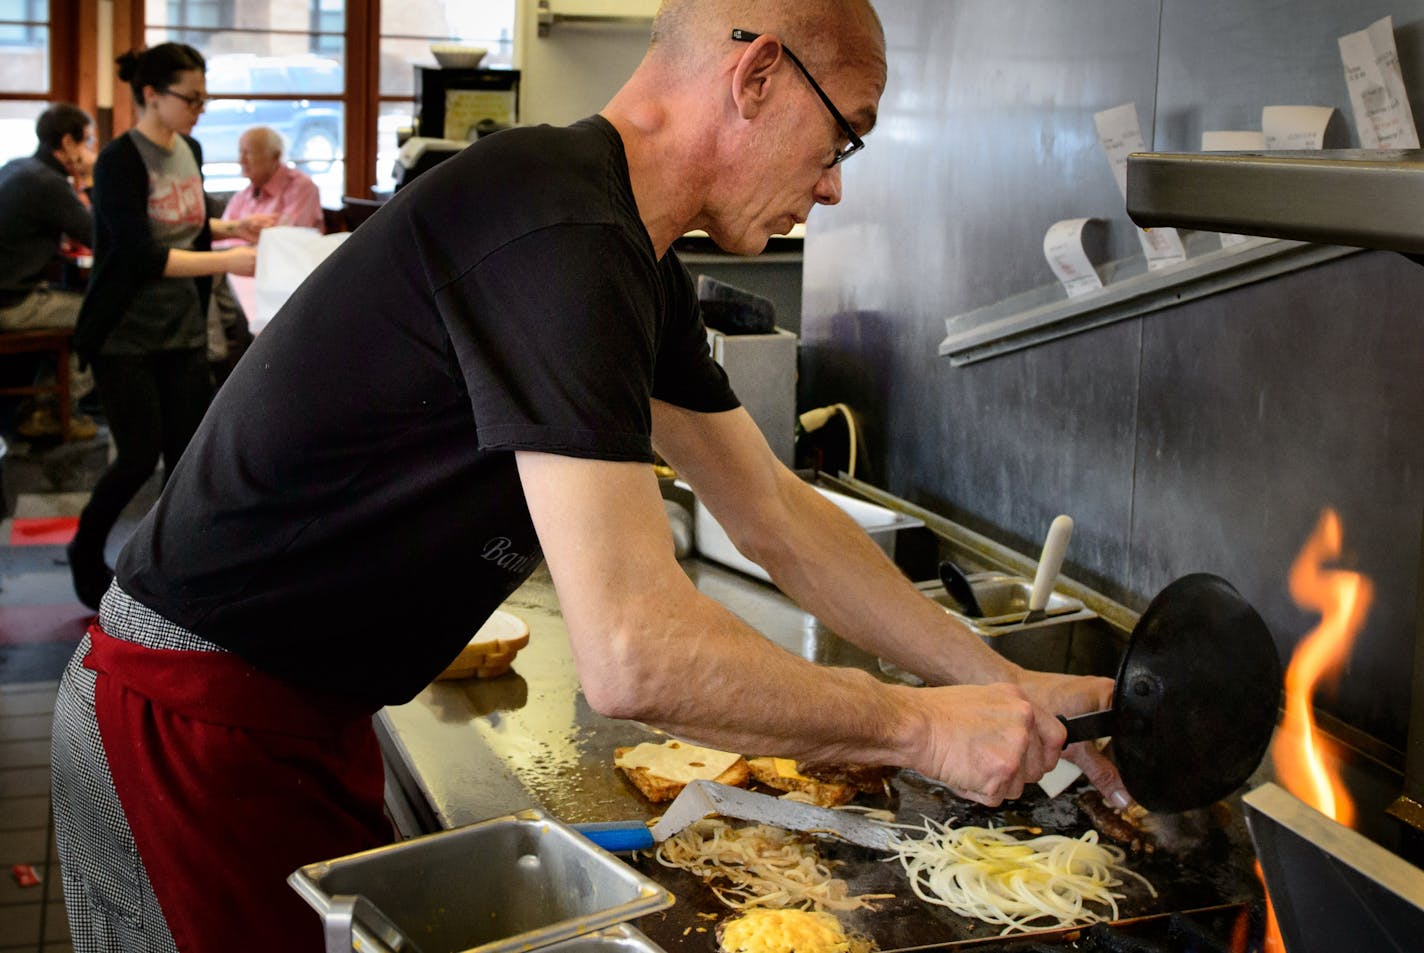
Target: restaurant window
199,14
25,70
24,39
407,30
289,73
284,64
23,22
328,23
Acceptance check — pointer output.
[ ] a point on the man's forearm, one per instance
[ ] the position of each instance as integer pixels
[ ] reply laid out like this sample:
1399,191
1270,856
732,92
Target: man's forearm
827,563
690,666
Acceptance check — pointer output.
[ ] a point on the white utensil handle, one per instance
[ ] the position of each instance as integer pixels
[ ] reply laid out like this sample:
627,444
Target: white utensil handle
1054,547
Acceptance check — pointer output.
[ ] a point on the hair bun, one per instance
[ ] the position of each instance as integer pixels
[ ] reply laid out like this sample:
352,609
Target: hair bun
128,65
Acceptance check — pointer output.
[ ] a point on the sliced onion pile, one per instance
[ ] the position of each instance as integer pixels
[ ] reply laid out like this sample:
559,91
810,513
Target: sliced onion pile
759,866
1037,883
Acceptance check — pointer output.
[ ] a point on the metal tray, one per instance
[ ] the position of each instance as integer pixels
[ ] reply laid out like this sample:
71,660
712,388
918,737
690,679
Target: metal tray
616,939
882,525
512,883
1045,645
1004,599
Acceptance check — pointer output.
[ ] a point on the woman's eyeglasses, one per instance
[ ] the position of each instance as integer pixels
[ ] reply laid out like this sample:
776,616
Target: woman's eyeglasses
193,101
856,144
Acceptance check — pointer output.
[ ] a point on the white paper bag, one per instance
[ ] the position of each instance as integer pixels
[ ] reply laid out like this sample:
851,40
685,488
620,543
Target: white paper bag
285,256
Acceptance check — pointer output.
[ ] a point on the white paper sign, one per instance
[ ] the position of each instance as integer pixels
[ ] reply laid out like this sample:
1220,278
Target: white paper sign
1063,247
1232,140
285,256
1120,136
1295,128
1162,246
1377,94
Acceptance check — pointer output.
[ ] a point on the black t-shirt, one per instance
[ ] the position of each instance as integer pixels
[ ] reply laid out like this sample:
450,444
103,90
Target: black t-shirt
350,510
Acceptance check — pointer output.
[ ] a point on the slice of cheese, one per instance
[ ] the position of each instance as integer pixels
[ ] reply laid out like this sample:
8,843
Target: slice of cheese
786,767
677,761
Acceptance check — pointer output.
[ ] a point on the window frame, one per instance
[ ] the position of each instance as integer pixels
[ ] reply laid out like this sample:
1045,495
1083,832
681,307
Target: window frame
75,60
65,81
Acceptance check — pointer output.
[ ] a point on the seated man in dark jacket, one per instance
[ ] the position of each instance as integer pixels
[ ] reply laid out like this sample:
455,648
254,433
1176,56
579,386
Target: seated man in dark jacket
39,208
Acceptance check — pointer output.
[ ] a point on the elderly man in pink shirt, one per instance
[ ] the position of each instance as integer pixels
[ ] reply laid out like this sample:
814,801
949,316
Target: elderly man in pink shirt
275,188
287,197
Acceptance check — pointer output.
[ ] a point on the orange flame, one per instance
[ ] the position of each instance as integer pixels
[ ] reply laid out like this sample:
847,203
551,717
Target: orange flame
1343,600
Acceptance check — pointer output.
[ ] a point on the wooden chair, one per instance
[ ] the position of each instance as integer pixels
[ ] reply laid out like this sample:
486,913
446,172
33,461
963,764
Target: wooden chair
54,341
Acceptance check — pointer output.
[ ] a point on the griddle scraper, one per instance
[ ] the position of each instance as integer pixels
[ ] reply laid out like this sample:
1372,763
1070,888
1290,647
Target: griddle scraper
708,798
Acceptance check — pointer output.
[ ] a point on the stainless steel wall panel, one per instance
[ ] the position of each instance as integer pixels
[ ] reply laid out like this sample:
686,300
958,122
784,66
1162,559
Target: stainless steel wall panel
1205,437
1261,406
985,139
1222,61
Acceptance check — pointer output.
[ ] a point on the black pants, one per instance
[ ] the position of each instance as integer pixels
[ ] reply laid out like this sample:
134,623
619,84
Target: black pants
153,404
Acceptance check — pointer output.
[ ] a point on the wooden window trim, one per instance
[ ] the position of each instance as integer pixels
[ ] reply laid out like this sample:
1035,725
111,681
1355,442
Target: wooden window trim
64,80
363,41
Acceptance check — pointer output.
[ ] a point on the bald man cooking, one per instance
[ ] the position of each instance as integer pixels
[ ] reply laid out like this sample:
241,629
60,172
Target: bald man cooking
485,369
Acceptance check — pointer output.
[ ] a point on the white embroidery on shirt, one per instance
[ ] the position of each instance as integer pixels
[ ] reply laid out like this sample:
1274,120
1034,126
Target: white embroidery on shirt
498,551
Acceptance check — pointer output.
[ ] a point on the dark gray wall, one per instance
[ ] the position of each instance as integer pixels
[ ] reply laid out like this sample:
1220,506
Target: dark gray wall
1207,437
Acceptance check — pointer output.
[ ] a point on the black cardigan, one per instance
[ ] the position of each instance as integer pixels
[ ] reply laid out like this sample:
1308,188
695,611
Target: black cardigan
125,252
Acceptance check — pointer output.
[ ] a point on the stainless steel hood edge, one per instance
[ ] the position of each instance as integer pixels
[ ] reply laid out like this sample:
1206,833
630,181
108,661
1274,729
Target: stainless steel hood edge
1361,197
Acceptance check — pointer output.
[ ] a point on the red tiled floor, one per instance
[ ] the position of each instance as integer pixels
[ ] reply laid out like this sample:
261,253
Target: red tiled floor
43,531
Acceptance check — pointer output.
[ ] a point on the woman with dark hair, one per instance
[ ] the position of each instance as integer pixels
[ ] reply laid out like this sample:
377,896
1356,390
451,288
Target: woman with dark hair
143,324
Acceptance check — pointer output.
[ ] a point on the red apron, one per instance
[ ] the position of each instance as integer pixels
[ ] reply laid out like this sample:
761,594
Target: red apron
230,780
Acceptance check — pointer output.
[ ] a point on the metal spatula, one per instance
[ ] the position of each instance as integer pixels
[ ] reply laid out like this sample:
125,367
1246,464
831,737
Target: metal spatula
708,798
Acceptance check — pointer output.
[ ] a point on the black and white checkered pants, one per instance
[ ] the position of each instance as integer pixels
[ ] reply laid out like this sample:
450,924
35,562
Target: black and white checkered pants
110,902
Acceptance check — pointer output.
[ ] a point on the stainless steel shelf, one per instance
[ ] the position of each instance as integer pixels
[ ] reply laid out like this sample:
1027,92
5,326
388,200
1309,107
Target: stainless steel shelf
1360,197
1130,290
548,17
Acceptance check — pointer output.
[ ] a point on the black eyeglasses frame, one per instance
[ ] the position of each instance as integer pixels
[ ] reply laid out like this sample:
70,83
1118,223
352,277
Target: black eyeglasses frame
856,143
193,102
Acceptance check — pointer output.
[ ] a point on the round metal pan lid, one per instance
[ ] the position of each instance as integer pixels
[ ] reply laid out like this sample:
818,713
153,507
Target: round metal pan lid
1196,696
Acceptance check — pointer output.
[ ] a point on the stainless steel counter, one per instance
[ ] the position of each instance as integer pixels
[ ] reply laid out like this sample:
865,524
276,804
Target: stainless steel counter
470,749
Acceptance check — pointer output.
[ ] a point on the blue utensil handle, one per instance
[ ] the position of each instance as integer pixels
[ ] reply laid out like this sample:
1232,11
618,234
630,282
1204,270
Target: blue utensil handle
618,837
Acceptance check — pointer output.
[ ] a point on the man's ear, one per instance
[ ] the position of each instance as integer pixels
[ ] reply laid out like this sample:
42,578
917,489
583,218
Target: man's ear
751,80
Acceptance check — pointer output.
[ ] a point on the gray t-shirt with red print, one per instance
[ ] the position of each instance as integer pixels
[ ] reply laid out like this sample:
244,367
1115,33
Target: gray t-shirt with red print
164,314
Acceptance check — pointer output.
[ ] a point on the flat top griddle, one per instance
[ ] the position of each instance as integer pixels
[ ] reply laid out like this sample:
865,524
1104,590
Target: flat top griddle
1213,868
480,748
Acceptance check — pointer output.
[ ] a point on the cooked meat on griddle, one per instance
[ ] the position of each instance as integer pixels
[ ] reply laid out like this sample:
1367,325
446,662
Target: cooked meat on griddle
1125,827
827,784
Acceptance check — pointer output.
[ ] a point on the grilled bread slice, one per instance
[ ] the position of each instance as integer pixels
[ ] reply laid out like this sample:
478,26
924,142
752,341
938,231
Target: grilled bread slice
661,771
491,650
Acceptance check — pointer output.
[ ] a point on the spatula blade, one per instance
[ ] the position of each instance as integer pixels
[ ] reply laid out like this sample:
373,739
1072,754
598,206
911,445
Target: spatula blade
704,798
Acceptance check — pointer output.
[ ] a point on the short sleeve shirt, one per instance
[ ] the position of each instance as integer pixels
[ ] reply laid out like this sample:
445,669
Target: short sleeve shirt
164,313
350,510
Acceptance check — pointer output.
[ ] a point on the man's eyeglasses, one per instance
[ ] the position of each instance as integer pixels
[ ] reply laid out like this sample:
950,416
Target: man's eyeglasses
856,143
194,102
